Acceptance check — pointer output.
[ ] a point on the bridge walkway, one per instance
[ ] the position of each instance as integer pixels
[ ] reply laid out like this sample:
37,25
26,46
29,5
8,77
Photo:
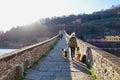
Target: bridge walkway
54,67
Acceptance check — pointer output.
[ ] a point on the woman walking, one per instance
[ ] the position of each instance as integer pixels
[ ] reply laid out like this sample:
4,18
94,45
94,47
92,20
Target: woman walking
72,44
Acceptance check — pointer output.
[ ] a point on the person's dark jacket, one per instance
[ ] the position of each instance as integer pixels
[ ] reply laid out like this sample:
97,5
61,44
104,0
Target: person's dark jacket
72,42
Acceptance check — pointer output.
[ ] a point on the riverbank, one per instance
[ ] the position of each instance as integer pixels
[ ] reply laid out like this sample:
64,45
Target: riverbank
3,51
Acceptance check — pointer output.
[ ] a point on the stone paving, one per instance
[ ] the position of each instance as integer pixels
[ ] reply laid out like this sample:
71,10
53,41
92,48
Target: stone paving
54,67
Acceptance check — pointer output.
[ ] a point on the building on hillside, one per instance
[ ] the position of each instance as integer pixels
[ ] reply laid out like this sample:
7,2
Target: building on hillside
96,40
112,38
78,20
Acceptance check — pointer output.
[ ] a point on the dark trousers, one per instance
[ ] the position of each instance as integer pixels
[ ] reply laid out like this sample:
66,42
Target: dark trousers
72,51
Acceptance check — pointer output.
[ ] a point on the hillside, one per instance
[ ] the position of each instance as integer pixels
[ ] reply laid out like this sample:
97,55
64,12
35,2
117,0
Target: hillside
85,25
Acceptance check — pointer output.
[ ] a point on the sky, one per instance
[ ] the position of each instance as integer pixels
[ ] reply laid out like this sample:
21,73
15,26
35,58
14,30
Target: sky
22,12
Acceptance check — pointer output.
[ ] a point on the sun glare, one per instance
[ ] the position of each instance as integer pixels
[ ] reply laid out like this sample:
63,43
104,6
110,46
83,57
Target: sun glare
16,13
21,12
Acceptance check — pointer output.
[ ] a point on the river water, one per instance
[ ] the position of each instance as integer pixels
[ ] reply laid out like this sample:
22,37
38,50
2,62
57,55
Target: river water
3,51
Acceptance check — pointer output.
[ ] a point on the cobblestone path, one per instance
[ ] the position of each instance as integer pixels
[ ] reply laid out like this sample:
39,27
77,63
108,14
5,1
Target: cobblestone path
54,67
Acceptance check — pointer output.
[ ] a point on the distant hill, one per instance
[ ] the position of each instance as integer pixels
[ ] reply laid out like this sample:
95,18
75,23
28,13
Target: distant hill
85,25
90,25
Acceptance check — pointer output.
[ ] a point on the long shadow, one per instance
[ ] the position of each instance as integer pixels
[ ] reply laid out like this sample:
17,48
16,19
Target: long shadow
81,67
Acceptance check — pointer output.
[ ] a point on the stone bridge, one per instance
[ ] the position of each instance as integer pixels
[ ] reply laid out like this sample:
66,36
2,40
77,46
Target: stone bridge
44,61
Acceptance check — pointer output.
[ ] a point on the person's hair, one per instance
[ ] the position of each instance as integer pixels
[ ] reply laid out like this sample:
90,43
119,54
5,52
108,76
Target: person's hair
73,34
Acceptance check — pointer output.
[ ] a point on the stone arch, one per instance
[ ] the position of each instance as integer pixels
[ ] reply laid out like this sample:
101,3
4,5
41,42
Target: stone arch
18,71
89,59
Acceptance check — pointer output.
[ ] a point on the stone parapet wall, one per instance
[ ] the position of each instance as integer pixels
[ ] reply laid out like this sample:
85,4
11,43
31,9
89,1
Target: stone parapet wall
13,64
105,65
